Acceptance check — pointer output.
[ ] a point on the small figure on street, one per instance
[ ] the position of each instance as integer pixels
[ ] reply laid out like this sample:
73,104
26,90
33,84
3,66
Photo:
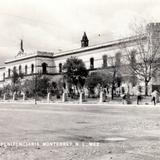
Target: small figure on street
123,98
139,97
105,94
109,94
154,97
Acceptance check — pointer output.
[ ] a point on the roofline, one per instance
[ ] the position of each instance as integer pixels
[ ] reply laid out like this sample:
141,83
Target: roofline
100,46
2,67
75,51
27,57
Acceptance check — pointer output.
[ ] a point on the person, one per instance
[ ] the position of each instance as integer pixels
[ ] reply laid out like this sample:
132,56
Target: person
139,98
109,94
154,96
123,98
105,94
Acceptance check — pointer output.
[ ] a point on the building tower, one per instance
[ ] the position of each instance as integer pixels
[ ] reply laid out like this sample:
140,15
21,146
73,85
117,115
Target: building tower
21,49
21,52
153,35
84,41
153,30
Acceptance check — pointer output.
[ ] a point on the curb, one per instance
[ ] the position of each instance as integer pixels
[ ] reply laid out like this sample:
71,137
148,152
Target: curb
84,104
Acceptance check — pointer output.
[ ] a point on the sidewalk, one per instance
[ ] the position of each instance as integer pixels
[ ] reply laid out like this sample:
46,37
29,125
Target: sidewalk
91,101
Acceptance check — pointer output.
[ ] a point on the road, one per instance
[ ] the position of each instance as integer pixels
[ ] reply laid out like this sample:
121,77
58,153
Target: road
79,132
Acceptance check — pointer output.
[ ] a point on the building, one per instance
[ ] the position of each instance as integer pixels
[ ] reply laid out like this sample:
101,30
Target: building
94,57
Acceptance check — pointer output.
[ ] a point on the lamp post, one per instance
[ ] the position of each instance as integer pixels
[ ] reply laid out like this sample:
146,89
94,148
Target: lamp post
35,83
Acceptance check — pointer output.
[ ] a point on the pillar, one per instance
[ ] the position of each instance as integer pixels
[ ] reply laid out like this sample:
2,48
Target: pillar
102,98
4,96
48,97
14,96
81,97
24,96
64,97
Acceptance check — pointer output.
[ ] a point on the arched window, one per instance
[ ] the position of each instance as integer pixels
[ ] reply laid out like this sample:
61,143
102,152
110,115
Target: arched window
118,59
32,68
9,72
105,57
14,69
133,57
26,69
20,69
4,76
91,63
44,68
60,67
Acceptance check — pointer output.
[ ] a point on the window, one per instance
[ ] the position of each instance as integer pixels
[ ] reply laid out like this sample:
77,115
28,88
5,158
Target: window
4,76
9,72
60,67
111,61
26,68
44,68
105,61
91,63
133,57
32,68
118,59
20,69
14,69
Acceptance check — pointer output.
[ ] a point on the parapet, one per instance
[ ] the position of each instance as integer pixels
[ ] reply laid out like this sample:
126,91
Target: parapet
153,27
44,53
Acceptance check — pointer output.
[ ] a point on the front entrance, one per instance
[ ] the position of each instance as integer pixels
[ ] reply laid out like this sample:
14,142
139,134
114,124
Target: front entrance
44,68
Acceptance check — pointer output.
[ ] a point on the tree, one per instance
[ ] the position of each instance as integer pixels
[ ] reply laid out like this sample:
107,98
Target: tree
106,78
7,89
16,77
42,86
39,85
144,59
98,79
115,72
93,80
29,87
16,81
109,77
75,72
132,63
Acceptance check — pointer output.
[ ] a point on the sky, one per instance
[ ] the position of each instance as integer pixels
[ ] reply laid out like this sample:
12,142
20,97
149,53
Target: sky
58,25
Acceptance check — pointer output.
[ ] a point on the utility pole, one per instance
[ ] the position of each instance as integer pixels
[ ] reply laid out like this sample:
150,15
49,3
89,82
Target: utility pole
35,87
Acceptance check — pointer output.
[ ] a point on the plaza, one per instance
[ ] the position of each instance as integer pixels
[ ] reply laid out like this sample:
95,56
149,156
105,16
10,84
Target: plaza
85,131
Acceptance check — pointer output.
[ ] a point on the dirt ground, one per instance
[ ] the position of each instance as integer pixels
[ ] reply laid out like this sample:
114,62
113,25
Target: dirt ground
79,132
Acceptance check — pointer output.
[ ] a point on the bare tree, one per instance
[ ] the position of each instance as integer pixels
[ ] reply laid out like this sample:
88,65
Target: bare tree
144,58
115,72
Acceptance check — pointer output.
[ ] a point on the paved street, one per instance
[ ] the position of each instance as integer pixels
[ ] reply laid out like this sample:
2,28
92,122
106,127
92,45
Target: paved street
88,132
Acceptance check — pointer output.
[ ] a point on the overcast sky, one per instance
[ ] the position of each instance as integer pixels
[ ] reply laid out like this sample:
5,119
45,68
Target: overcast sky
53,25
